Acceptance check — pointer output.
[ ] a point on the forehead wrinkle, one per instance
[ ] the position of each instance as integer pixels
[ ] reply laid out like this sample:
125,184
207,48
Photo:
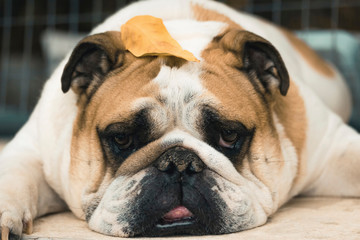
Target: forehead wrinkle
178,89
184,78
155,110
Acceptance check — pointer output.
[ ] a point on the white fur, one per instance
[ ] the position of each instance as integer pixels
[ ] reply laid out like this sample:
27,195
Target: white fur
193,35
117,197
290,160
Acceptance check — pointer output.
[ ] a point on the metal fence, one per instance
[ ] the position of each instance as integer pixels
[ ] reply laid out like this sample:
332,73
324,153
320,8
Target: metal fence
29,26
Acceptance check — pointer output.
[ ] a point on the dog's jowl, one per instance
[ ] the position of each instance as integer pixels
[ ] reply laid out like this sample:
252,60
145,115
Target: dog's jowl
157,145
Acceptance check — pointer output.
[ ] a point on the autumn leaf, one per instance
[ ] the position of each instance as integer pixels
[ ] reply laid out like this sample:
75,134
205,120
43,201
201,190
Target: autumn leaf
147,36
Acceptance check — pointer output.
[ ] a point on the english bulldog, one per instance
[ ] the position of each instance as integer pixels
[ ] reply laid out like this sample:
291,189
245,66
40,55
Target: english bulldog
158,145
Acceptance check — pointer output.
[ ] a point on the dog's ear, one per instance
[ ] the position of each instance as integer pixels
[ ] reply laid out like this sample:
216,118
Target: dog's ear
259,59
91,60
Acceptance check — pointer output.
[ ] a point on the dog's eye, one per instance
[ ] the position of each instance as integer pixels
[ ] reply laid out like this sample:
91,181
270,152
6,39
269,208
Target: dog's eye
123,141
228,138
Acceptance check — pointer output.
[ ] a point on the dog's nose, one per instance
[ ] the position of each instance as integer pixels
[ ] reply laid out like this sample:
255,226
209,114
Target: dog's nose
181,160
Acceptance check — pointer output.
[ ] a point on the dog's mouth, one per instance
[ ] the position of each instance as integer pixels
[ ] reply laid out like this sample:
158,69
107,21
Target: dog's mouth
178,209
179,216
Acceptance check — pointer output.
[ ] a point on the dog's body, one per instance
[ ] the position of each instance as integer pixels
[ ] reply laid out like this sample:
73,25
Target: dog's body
159,145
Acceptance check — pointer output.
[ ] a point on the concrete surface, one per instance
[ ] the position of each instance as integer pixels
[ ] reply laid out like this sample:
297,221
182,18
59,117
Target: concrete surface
301,218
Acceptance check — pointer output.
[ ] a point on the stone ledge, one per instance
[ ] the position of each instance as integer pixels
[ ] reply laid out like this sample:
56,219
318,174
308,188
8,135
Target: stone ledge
301,218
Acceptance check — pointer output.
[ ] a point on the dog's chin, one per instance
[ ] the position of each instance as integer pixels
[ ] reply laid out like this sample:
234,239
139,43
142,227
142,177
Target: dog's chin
189,218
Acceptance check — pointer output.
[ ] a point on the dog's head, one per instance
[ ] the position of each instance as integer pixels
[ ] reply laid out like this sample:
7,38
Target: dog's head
164,146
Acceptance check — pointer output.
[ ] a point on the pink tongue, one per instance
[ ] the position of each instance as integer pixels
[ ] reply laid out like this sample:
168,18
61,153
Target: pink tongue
178,213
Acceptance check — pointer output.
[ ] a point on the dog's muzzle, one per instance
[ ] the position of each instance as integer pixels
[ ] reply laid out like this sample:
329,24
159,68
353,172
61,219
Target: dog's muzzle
178,194
178,163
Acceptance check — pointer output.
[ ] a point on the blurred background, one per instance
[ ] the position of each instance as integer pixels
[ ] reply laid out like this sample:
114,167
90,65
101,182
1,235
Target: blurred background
36,35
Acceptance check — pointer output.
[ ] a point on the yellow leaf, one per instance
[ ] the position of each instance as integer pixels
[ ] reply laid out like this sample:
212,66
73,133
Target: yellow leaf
148,36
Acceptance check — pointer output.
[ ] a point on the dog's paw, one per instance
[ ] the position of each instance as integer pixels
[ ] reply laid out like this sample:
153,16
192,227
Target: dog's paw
14,220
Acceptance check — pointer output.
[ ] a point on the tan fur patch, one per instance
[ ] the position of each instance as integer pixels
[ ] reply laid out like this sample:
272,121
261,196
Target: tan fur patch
239,101
147,155
314,60
174,62
203,14
292,115
112,102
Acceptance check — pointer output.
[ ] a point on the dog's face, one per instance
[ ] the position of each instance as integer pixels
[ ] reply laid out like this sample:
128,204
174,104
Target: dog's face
163,146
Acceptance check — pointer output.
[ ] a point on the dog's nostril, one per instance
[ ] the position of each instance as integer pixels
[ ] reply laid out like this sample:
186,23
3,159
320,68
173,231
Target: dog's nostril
195,167
165,166
162,165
